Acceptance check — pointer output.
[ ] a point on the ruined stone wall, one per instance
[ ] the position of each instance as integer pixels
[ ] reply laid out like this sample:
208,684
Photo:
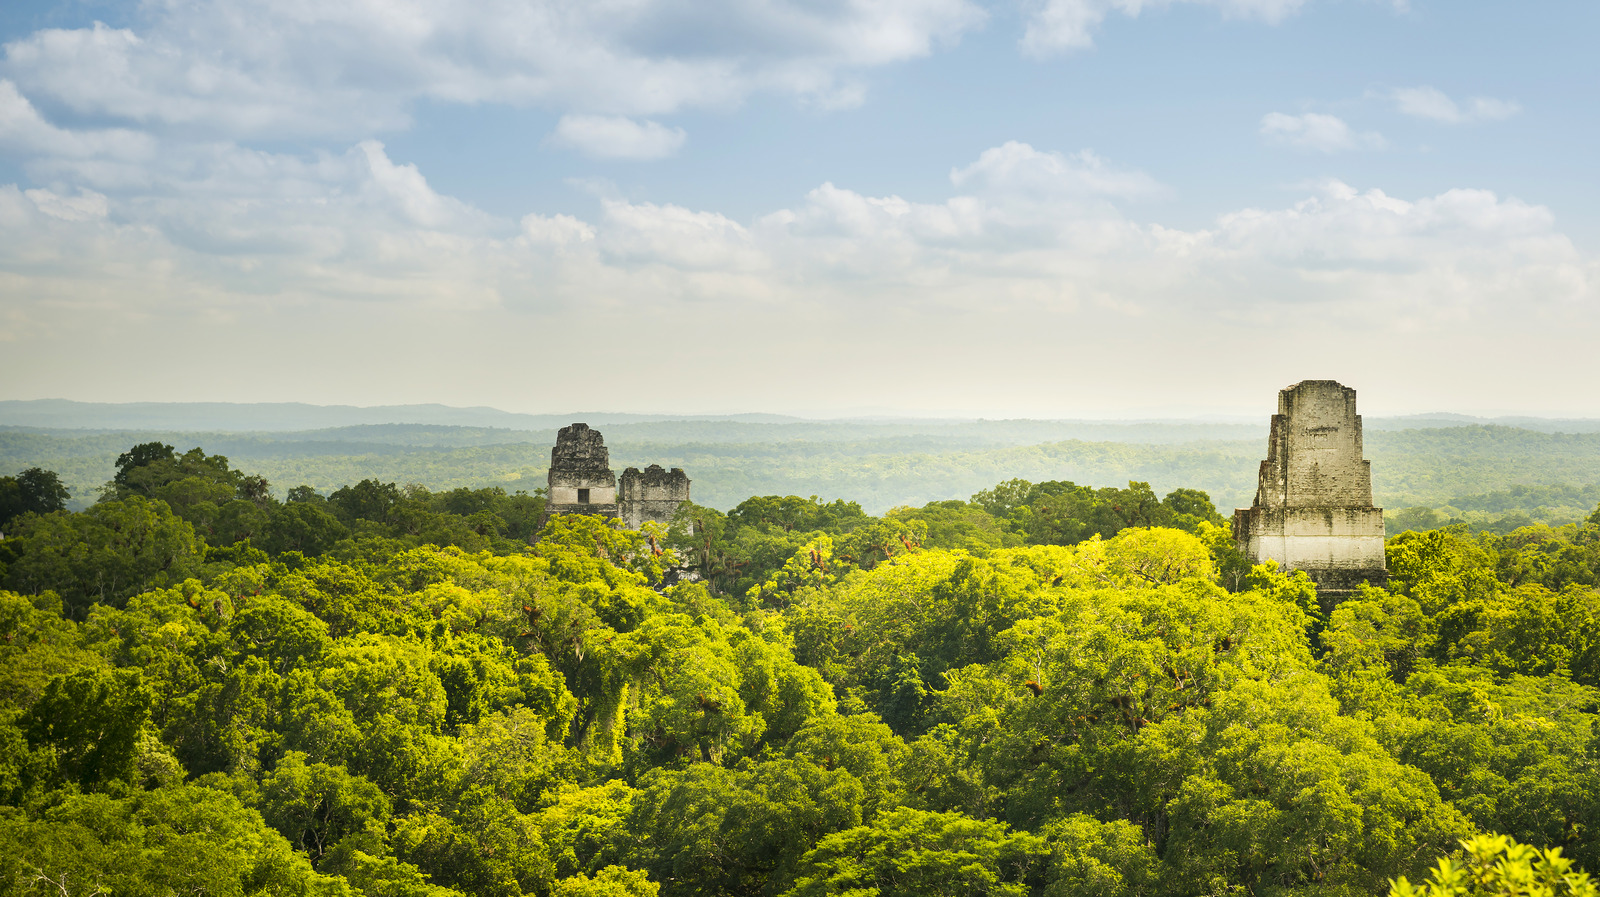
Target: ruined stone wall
1313,507
651,494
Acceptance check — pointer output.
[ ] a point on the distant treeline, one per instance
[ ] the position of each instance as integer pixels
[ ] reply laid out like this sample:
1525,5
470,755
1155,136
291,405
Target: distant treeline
879,466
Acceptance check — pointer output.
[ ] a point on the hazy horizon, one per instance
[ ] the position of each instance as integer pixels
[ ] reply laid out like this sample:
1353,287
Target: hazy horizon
14,410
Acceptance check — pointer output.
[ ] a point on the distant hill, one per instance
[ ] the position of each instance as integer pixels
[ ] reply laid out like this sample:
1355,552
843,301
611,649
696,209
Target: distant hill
292,416
299,418
1437,421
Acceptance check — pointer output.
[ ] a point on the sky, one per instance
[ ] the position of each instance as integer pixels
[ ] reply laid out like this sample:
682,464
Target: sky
1017,208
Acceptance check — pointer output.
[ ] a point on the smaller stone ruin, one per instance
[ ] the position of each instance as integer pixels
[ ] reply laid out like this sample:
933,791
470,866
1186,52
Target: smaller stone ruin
653,494
581,482
1313,508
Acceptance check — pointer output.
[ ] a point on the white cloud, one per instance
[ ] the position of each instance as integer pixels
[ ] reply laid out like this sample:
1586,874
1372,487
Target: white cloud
1018,168
1022,223
649,234
215,75
24,130
85,206
1318,132
1361,227
556,230
405,186
1434,104
241,68
212,226
1462,256
1058,25
341,262
617,137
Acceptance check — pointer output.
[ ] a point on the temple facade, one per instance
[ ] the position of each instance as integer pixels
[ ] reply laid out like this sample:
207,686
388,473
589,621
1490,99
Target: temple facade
1313,507
581,482
580,479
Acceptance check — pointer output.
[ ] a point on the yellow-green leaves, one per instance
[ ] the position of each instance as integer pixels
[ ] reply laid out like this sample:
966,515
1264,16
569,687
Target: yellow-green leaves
611,881
915,853
1498,866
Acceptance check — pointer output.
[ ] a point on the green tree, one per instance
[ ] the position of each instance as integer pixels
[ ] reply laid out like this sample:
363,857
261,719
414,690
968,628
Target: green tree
281,633
1440,568
179,839
1195,715
107,554
1189,507
1105,859
1497,866
383,876
366,500
233,723
318,807
710,830
509,754
485,848
1513,752
222,502
374,706
33,491
690,698
342,596
612,881
586,829
860,744
911,853
130,462
37,645
90,722
957,524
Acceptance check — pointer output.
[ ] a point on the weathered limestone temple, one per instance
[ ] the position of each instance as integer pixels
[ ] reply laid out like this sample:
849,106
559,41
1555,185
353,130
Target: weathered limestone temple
654,494
581,482
1313,509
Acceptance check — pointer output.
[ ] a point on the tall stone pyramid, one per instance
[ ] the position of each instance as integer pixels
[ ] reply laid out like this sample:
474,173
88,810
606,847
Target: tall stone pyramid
1313,508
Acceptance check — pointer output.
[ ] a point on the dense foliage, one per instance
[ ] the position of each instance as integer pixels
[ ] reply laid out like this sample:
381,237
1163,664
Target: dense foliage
33,491
1050,689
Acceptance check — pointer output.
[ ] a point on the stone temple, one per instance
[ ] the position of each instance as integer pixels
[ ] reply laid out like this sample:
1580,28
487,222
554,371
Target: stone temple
580,479
654,494
1313,509
581,482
